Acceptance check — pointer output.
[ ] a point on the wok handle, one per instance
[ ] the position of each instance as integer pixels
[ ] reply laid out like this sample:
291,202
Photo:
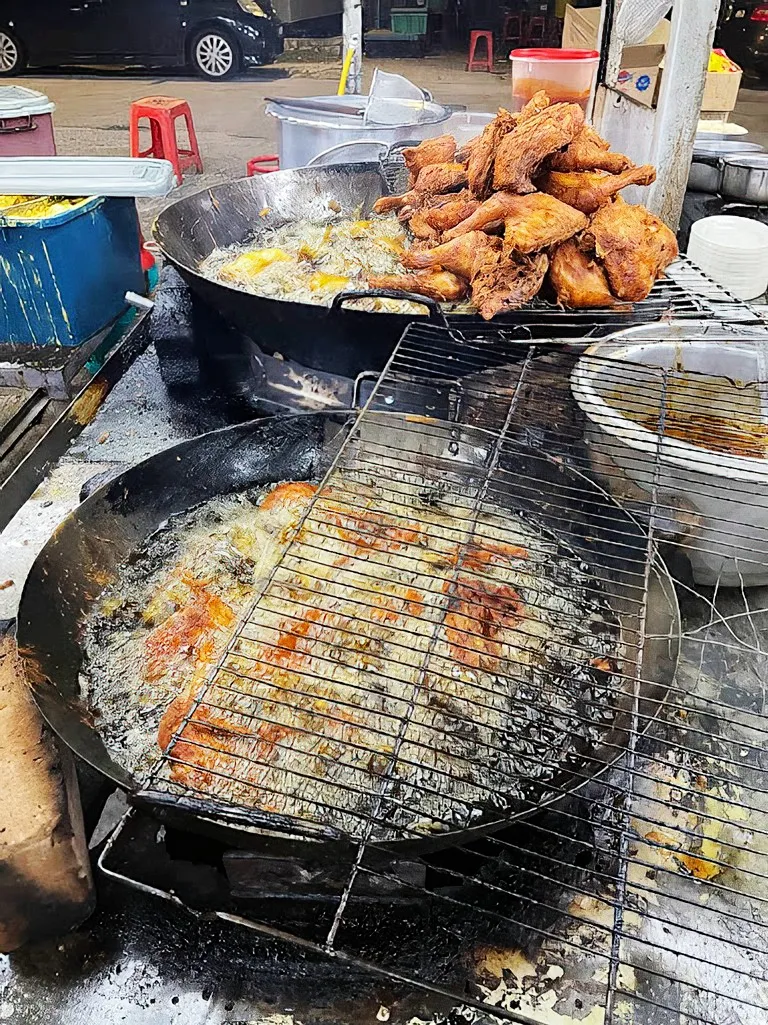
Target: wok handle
435,311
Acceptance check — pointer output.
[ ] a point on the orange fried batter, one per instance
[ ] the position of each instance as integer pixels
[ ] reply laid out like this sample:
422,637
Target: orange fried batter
185,631
481,612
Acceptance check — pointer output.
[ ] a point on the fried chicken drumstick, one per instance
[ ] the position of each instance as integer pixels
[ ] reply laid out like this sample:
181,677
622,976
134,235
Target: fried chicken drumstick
589,190
441,285
589,152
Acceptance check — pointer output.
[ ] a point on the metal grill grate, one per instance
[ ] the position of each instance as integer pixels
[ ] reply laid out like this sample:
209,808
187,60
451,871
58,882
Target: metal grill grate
632,885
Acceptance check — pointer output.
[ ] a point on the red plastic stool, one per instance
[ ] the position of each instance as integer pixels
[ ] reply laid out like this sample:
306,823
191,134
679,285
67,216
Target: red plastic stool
264,164
512,32
162,113
536,31
483,63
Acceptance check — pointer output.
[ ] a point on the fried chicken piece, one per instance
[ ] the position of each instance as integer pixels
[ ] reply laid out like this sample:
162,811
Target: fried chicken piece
462,255
578,279
532,222
521,153
506,280
489,215
480,166
633,245
539,221
589,152
421,228
538,102
440,285
589,190
387,204
450,214
439,178
432,151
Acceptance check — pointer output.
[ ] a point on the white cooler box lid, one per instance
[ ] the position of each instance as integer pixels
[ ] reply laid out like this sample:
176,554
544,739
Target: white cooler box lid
85,176
18,101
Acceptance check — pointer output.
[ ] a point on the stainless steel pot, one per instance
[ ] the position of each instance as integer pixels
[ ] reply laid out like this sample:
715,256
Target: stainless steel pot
304,133
706,173
745,177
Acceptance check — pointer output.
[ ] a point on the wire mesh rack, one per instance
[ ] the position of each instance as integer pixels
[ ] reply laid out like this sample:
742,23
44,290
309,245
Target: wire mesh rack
469,661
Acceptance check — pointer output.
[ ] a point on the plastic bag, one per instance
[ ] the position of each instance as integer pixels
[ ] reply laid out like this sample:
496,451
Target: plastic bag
636,19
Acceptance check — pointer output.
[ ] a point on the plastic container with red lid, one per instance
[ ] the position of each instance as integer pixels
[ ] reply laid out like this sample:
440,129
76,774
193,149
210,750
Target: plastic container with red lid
567,76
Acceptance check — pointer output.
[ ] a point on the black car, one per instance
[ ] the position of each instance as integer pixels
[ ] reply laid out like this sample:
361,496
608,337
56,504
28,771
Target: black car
742,32
215,37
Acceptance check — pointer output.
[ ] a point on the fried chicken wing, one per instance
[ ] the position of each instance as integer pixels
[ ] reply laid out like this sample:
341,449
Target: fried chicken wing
539,221
462,255
438,178
448,215
589,152
578,279
589,190
432,151
506,281
521,153
481,160
440,285
633,245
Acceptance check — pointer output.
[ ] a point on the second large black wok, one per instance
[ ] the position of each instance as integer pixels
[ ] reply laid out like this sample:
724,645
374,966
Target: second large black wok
88,549
337,340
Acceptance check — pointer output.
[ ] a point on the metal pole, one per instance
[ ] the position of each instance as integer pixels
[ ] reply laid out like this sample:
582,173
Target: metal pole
353,39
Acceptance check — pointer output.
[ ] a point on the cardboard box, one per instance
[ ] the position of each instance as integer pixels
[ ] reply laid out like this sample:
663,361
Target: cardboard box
721,91
640,74
581,27
642,66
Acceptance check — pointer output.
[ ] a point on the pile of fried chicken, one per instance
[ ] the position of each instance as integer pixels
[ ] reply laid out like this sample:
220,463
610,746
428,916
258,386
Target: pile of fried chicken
535,195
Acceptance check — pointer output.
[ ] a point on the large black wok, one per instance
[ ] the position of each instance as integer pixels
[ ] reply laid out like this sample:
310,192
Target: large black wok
338,340
85,554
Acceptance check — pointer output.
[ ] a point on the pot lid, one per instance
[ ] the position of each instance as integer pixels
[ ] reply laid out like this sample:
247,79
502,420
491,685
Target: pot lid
85,176
431,113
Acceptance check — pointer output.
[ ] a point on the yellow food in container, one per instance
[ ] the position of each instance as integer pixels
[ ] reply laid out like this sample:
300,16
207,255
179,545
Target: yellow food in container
37,208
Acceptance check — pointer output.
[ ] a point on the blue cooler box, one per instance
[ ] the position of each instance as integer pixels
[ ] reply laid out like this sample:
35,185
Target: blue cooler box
64,278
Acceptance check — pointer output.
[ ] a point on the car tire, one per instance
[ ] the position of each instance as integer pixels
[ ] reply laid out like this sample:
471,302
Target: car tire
214,54
12,59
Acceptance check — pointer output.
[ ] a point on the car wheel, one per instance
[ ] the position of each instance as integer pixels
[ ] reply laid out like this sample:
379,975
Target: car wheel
11,54
214,54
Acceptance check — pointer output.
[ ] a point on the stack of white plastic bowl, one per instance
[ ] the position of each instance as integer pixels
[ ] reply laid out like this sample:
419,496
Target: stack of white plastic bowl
733,251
